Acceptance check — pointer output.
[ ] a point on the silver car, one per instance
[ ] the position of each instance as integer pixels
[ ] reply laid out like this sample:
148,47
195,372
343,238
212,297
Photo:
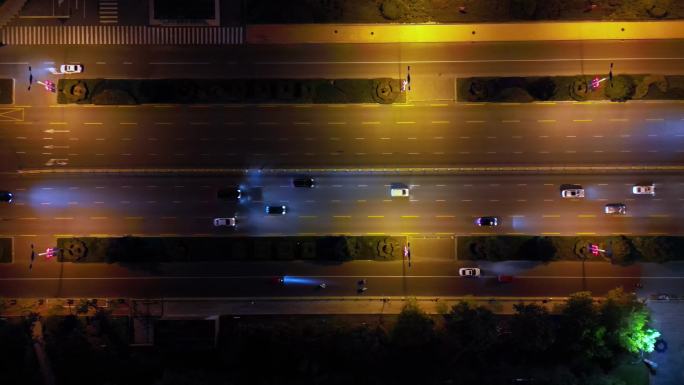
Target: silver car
224,222
575,192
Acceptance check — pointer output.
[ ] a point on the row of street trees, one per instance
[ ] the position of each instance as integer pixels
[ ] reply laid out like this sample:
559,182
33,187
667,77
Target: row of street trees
468,344
580,343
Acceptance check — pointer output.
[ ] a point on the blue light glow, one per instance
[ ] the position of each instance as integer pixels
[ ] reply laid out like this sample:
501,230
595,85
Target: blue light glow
299,281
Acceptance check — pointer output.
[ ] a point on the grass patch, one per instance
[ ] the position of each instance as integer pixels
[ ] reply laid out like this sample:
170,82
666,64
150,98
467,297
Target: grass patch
5,250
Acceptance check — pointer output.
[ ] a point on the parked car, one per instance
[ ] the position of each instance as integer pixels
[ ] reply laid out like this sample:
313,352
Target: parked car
572,191
224,222
276,210
643,189
487,221
399,190
6,196
469,272
304,182
615,209
71,69
232,194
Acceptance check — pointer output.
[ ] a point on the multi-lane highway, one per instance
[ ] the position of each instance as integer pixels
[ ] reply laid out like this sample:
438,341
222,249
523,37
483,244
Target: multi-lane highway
426,132
416,135
348,203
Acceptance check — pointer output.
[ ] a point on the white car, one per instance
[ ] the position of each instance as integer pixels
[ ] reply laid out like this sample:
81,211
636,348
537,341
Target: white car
469,272
398,190
572,193
643,189
70,69
224,222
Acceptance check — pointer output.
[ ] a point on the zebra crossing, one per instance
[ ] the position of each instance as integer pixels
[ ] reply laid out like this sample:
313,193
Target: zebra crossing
108,11
120,35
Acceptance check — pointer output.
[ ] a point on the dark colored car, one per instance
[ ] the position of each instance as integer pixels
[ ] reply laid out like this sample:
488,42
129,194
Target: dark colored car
230,194
6,196
615,209
276,210
487,221
304,182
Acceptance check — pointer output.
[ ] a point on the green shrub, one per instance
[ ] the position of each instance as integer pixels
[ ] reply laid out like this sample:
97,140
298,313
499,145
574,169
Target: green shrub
5,250
542,88
328,93
261,89
285,89
620,89
479,90
645,84
392,9
620,250
579,88
523,9
6,94
657,8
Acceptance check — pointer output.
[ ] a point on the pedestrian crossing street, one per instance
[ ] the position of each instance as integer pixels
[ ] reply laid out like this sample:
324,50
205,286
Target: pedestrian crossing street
120,35
108,11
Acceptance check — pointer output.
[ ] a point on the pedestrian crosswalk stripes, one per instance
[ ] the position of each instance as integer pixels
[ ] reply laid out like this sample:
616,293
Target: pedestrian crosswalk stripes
120,35
108,11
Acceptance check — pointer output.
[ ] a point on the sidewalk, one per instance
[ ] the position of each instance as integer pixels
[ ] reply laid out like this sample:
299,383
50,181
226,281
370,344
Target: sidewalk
207,307
448,33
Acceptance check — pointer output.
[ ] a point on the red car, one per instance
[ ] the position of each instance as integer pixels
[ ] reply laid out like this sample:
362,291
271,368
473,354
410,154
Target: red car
505,278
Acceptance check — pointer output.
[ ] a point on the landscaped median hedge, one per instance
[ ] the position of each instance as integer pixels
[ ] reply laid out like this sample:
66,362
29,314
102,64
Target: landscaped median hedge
219,249
5,250
566,88
618,249
6,91
224,91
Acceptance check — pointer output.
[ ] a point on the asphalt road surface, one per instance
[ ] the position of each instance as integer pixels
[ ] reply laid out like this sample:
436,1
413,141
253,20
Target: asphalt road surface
37,133
418,135
340,203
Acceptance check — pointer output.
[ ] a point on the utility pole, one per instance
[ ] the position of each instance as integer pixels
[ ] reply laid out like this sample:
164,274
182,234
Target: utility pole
610,74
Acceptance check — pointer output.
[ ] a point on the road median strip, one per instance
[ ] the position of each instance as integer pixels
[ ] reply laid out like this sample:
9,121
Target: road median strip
377,171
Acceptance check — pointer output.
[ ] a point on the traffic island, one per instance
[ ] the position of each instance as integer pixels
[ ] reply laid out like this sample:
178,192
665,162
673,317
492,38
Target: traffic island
229,91
597,87
154,250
